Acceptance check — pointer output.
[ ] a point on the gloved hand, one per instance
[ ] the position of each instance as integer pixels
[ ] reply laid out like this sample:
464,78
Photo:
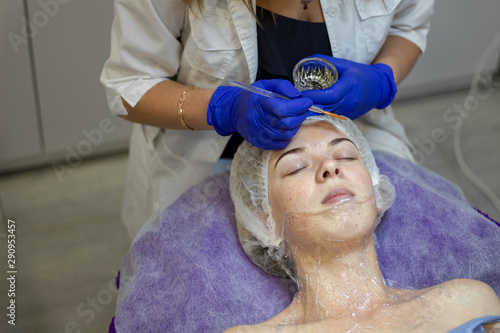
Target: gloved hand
359,88
267,123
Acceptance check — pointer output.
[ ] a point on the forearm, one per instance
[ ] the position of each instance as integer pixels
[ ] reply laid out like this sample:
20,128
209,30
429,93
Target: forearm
159,107
400,54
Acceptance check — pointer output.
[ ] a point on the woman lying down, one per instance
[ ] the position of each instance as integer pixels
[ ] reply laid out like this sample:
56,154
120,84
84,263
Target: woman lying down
309,211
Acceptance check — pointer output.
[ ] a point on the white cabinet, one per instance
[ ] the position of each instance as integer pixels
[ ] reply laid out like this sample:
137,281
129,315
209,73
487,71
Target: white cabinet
61,107
19,131
70,50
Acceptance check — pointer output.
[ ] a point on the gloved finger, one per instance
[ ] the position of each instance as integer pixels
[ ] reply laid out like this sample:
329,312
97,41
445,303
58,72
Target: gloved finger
340,64
281,129
264,141
278,142
276,138
284,124
285,128
331,95
283,87
351,113
286,108
340,108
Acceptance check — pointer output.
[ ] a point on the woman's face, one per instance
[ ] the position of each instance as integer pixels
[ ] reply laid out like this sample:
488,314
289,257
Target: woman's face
320,170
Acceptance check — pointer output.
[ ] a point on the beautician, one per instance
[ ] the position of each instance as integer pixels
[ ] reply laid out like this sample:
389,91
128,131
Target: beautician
171,61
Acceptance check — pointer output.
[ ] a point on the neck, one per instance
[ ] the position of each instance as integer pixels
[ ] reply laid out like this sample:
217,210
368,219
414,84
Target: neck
342,280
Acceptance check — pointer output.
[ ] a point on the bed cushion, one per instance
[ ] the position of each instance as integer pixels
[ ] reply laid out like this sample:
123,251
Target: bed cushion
188,273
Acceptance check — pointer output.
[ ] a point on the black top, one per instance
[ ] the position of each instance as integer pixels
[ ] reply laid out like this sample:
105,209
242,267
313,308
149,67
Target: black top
285,42
282,42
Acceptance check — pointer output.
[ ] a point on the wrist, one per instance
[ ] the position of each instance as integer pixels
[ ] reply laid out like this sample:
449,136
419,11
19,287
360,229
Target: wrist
388,88
219,110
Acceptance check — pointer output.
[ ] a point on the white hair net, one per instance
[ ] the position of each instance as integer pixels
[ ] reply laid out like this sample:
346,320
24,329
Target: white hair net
249,192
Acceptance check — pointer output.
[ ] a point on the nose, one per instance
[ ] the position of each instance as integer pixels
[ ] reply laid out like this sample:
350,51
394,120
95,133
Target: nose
329,168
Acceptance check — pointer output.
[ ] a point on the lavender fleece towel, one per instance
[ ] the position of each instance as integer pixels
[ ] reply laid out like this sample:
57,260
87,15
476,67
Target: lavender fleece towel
189,274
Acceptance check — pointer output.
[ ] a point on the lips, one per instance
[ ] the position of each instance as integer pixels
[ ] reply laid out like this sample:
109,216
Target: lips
337,195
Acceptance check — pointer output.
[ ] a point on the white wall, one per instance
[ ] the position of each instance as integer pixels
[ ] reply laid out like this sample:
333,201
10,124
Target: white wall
461,32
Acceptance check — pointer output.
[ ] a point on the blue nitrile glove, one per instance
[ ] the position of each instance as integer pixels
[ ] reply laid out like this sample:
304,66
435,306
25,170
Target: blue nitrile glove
267,123
359,88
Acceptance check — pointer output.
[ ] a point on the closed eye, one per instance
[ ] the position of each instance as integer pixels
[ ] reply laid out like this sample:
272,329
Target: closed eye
296,171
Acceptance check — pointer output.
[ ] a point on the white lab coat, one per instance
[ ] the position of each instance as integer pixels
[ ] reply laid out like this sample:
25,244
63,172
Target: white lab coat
156,40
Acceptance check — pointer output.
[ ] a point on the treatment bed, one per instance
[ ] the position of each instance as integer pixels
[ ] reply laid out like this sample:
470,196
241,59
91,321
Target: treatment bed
186,270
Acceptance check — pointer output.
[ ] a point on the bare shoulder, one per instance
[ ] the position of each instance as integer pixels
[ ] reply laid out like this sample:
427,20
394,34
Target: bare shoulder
475,296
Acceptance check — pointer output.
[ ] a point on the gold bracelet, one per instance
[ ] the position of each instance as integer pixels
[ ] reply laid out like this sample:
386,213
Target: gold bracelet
180,110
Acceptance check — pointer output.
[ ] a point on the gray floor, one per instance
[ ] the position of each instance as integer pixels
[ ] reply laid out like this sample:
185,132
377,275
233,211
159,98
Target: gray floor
69,245
70,241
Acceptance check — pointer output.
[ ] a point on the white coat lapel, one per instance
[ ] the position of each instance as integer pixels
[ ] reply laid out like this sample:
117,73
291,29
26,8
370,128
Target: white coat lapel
246,28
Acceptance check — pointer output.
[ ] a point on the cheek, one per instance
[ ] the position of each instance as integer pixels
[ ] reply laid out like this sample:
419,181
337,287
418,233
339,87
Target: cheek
286,198
294,197
363,181
365,188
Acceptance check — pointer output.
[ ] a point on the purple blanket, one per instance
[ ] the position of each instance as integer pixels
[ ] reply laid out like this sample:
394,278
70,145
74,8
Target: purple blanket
189,274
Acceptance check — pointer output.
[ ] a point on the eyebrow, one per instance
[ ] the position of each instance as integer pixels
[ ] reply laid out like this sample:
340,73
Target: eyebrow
332,143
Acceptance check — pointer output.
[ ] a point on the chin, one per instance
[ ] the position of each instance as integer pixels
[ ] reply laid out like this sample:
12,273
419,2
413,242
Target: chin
344,221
